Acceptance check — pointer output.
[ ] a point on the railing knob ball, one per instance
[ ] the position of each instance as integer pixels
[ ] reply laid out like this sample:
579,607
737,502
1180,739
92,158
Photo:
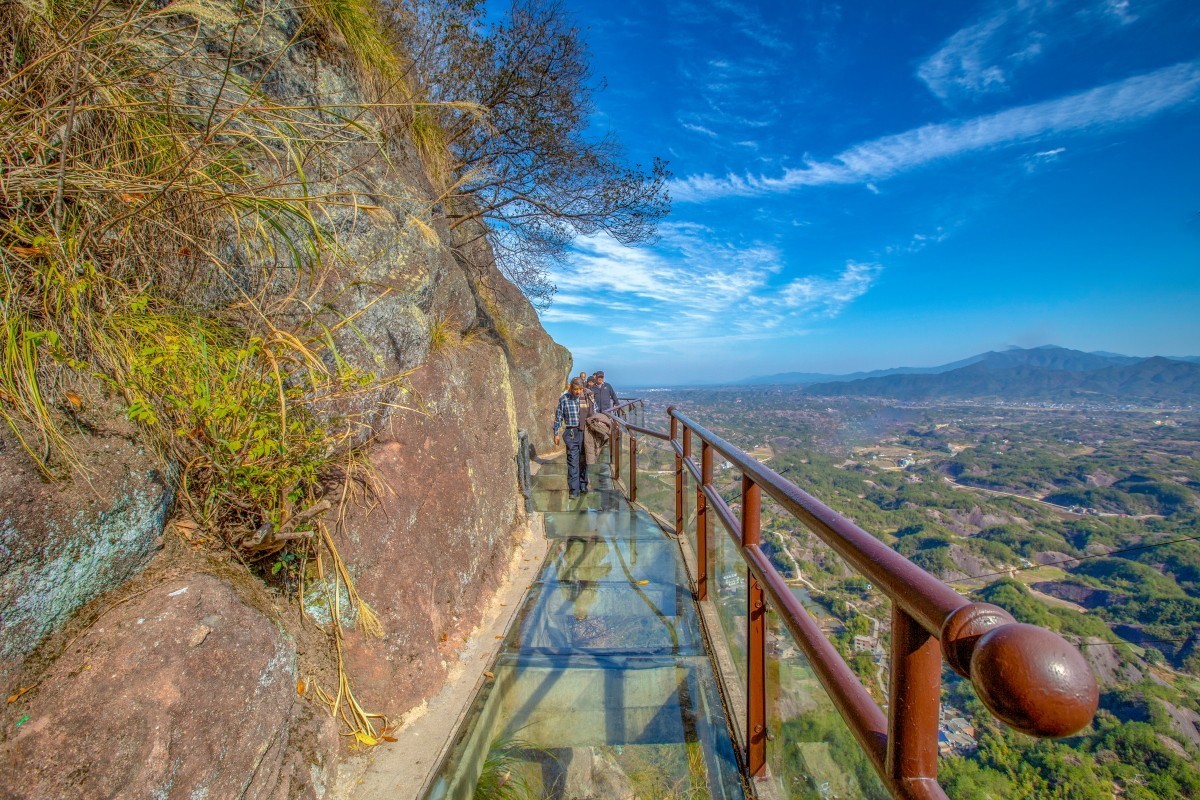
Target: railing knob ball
962,629
1034,680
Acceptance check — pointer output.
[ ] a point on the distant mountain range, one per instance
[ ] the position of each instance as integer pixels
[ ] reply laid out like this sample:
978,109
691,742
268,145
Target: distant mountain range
1046,373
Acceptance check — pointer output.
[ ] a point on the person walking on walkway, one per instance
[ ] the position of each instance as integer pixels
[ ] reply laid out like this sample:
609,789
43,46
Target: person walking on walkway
574,408
606,395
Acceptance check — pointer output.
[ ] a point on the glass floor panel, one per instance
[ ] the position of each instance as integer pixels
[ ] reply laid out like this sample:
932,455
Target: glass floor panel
552,495
602,688
598,617
624,523
626,561
570,729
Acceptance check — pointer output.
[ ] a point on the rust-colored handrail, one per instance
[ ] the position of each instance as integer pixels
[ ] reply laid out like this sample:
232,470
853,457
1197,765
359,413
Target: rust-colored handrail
1029,677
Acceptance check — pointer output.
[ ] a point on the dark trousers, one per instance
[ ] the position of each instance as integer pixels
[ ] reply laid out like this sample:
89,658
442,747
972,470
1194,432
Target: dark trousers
576,466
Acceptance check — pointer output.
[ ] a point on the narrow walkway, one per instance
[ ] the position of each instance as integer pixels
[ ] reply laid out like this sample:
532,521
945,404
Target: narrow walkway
602,688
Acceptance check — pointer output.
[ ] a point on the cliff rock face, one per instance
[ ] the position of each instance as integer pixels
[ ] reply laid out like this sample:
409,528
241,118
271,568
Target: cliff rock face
182,689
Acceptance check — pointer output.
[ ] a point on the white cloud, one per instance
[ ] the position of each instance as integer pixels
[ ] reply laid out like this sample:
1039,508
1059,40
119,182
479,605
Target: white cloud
920,241
555,314
1120,10
691,290
1116,103
828,297
699,129
1042,158
964,63
984,56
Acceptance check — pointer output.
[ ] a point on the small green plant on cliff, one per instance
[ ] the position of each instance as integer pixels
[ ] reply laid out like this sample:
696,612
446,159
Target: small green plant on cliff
161,242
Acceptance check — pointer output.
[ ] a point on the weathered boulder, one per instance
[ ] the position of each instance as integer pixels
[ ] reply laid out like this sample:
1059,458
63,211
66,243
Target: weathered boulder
64,543
183,691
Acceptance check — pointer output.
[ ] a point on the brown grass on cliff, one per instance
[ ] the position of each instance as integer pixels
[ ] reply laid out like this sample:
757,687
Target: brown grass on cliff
161,241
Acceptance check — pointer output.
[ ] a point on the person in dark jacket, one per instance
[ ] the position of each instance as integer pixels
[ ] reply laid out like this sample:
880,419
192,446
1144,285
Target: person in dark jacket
570,419
606,395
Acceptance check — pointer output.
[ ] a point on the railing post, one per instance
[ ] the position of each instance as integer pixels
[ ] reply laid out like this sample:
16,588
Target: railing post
632,468
701,512
756,637
616,450
678,479
914,699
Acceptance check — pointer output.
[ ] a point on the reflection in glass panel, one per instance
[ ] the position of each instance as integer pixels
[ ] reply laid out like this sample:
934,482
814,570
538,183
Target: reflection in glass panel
727,587
689,509
812,754
656,477
623,460
854,615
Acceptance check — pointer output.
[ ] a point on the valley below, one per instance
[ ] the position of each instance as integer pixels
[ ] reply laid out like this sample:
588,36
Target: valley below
1080,517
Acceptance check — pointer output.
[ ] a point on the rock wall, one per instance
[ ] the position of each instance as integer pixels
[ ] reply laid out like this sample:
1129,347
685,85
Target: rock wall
174,683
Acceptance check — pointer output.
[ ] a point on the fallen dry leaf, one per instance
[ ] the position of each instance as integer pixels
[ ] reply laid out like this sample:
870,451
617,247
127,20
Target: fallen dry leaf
12,698
24,251
488,675
300,687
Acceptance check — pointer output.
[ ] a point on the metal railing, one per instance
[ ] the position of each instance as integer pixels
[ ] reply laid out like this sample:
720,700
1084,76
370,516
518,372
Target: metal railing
1030,678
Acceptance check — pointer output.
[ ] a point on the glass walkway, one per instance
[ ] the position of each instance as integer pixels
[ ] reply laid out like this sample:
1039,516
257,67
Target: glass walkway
603,688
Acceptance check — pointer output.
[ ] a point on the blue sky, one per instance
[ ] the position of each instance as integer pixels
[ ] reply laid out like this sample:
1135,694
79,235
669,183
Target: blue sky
878,184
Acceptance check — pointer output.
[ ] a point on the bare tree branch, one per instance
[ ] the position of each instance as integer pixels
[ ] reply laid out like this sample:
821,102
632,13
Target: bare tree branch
526,166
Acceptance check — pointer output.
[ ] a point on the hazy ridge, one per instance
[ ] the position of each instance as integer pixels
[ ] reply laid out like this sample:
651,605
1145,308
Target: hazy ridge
1045,373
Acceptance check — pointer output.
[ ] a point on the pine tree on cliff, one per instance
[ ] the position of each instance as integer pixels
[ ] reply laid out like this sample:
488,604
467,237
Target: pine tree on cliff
514,100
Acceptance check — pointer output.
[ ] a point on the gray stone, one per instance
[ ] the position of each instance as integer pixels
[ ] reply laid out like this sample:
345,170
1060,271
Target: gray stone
64,543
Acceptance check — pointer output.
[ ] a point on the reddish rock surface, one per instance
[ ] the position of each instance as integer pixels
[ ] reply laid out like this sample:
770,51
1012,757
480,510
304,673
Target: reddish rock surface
539,366
182,692
428,557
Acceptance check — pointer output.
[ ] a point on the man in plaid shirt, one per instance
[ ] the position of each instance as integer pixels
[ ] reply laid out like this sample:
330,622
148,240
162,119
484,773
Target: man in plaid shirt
569,419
